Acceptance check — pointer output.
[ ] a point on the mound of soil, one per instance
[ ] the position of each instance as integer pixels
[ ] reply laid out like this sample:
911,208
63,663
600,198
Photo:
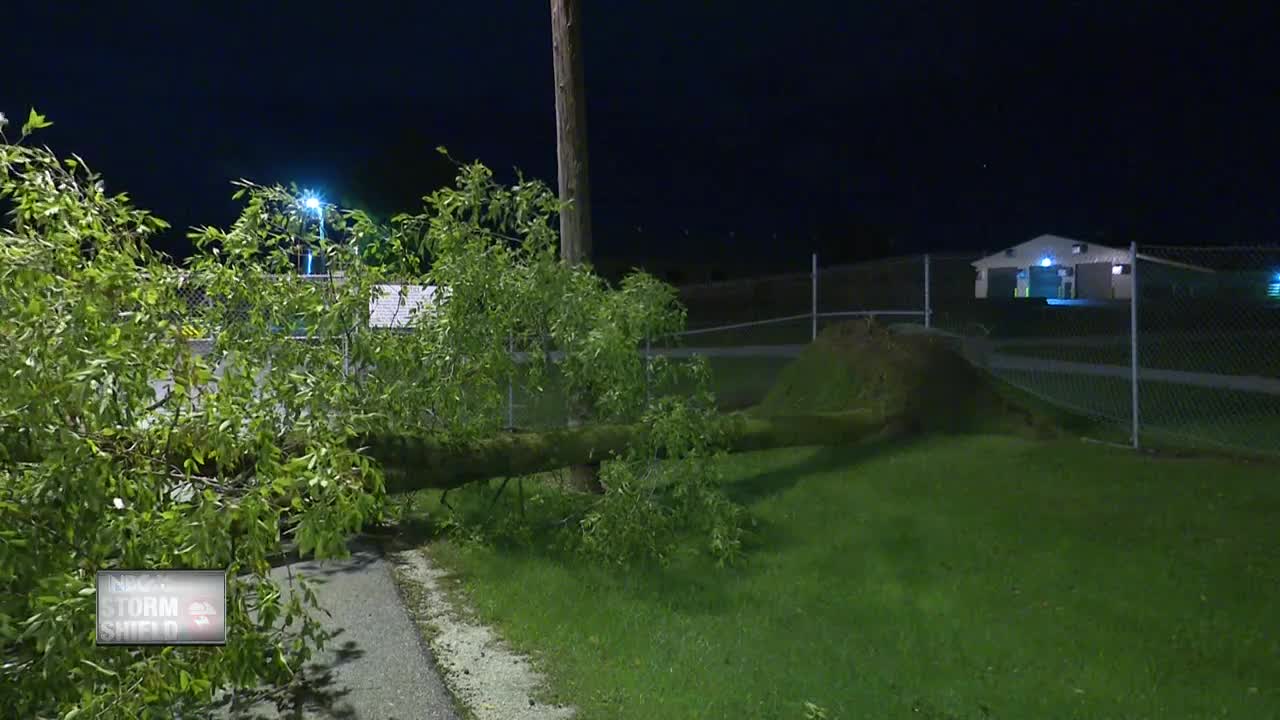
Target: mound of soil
861,365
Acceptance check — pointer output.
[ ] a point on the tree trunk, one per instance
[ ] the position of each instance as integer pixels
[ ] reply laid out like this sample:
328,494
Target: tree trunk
415,463
575,191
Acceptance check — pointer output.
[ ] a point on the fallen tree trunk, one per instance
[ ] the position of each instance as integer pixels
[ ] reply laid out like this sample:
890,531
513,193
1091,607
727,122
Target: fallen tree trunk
419,462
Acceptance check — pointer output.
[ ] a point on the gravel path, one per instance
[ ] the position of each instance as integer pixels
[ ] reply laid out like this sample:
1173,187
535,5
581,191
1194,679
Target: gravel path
487,676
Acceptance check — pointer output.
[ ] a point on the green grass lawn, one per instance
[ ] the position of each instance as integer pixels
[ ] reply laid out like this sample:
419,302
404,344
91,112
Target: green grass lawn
1231,355
1170,413
961,577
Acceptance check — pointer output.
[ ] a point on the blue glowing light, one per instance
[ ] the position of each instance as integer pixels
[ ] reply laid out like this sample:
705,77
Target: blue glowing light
1046,262
313,203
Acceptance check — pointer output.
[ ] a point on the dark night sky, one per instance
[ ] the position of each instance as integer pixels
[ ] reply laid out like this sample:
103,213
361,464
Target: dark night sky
947,125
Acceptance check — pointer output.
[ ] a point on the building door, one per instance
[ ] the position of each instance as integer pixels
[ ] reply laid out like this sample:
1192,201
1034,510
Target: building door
1043,282
1093,281
1002,282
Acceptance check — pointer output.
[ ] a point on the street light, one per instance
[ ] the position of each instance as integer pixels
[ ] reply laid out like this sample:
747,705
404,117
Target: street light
311,202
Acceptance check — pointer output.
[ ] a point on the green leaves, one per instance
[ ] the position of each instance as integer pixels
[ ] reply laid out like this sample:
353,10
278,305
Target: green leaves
35,121
95,474
89,317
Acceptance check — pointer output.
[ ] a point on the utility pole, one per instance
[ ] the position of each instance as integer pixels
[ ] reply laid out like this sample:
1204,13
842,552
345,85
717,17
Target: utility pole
575,195
571,131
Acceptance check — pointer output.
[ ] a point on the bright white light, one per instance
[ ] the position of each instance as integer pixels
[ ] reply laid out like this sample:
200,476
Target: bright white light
311,203
1117,269
1046,262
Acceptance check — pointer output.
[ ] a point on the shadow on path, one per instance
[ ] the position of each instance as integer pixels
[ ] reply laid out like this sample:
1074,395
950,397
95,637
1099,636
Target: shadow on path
375,665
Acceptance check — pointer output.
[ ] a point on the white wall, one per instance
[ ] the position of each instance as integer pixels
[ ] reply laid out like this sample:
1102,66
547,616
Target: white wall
1059,250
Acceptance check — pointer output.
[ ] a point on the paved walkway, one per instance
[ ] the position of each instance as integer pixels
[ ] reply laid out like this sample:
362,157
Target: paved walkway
377,667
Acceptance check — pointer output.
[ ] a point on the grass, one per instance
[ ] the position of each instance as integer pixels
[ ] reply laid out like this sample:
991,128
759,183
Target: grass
954,577
1231,354
864,366
1022,318
946,578
1170,413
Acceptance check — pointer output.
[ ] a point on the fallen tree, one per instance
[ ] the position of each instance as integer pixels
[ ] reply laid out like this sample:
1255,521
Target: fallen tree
415,462
288,447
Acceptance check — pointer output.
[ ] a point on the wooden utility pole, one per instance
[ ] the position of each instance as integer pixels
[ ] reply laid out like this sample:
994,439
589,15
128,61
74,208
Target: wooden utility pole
571,131
575,189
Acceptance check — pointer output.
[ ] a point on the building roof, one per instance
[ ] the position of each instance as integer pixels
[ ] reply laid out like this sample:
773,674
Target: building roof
1164,258
1047,239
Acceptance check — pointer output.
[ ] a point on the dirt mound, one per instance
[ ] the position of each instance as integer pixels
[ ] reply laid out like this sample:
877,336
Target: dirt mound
863,365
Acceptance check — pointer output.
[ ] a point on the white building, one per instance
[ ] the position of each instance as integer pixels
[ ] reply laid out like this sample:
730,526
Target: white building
1051,266
396,306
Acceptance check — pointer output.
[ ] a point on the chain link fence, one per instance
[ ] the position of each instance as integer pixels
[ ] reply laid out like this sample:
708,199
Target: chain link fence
1204,323
1208,345
202,313
1186,353
1191,358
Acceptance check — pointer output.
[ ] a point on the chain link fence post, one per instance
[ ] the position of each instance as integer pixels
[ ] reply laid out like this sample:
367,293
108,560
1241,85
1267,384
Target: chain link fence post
813,305
648,359
511,386
928,310
1133,344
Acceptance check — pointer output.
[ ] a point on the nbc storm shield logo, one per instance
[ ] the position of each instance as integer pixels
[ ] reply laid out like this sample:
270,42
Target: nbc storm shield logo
201,615
166,607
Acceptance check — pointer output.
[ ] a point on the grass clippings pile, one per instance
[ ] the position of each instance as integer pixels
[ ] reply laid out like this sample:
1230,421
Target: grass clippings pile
862,365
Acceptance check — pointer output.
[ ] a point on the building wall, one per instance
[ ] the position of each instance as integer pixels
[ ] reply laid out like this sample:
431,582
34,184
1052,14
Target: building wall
1123,285
980,281
1060,251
